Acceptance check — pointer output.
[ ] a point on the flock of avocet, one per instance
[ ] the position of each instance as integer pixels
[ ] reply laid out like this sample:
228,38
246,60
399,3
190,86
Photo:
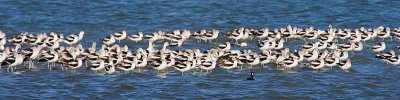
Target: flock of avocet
322,49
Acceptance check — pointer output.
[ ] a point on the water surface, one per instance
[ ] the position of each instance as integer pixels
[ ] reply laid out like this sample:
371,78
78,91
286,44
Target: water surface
369,78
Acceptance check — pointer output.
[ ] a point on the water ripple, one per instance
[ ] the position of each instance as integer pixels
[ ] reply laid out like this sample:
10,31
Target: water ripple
368,79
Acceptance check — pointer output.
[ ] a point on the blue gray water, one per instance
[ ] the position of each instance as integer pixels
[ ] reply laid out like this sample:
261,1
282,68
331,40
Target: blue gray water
368,79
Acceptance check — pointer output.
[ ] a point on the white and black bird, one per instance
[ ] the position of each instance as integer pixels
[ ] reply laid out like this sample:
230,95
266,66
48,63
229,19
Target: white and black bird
120,35
345,64
109,40
136,37
378,47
